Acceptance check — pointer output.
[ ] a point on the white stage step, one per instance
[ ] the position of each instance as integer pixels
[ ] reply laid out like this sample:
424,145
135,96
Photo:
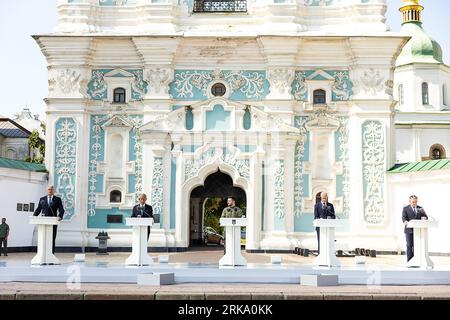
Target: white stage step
210,273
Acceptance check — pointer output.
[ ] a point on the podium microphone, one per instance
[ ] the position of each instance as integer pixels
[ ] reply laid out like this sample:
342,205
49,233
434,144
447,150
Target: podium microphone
51,209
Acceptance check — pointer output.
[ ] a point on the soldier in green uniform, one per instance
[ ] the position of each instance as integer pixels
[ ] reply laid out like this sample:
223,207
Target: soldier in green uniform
232,211
4,233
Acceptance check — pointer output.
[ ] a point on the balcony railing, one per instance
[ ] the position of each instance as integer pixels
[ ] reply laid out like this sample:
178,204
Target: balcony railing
220,6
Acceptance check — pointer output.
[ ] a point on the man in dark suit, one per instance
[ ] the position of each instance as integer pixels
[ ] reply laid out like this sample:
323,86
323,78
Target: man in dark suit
50,206
143,210
323,210
411,212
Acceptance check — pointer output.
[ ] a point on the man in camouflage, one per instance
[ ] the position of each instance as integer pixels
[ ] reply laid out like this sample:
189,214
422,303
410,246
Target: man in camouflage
232,211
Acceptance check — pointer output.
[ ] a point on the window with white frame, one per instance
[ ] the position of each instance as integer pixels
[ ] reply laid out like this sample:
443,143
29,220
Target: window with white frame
319,96
115,196
425,95
444,94
119,95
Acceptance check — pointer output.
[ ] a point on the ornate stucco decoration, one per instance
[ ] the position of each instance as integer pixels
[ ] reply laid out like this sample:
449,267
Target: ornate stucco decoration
159,79
371,82
68,80
190,84
97,150
65,163
373,157
210,153
323,117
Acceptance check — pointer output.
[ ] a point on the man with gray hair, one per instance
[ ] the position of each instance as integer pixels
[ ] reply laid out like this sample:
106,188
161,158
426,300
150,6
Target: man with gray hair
323,210
50,206
143,210
411,212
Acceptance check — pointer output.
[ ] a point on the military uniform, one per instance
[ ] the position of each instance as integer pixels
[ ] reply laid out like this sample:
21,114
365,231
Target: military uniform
4,232
232,212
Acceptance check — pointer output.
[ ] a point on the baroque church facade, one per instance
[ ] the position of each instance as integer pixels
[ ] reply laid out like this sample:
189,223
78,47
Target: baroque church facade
277,100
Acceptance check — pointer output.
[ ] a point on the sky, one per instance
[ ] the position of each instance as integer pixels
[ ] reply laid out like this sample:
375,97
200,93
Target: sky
24,81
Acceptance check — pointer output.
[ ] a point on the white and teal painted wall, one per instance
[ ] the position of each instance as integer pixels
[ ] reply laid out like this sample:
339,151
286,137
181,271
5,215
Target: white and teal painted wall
265,131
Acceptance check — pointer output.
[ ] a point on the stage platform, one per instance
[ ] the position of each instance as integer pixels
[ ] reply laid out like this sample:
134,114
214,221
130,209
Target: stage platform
255,273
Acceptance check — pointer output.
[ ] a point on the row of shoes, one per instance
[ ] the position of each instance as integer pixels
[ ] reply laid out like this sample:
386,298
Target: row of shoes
365,252
301,252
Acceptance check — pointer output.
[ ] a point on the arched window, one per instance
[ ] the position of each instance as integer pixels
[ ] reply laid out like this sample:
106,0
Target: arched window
218,89
11,154
437,151
189,118
425,97
115,196
320,96
436,154
119,95
400,94
247,119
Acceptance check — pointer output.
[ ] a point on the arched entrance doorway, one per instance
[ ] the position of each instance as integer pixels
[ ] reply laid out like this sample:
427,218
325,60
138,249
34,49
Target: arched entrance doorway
205,207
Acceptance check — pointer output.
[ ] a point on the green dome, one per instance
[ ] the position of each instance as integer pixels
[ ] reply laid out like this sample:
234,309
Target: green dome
421,48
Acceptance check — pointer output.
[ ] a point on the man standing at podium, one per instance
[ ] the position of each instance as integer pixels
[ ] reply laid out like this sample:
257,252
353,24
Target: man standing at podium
232,211
50,206
411,212
323,210
143,210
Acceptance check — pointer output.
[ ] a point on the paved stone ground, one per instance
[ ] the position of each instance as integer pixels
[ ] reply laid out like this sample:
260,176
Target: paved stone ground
213,255
92,291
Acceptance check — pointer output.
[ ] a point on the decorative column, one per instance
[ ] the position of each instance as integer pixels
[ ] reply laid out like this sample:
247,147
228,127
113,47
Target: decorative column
290,143
276,236
181,231
374,171
160,188
254,201
66,163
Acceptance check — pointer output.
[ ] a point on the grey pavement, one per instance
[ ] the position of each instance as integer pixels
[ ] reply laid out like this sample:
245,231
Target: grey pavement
216,291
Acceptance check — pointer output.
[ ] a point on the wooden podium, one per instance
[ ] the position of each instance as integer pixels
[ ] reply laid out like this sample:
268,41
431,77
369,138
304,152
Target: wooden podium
44,254
421,258
327,256
139,255
233,256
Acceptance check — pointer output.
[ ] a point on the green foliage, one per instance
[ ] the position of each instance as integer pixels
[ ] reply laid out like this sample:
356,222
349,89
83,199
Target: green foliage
43,127
37,148
213,211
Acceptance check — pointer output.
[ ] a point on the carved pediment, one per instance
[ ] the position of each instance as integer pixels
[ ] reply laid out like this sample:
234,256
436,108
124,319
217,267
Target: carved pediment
117,121
119,73
323,118
320,75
